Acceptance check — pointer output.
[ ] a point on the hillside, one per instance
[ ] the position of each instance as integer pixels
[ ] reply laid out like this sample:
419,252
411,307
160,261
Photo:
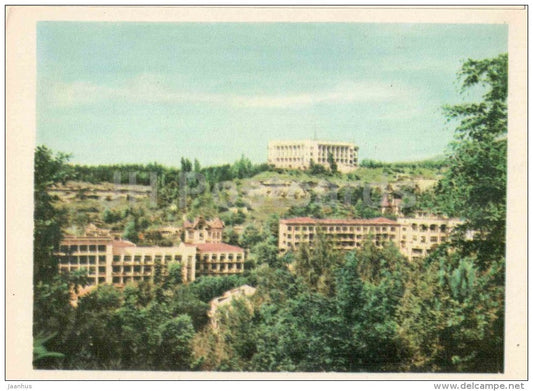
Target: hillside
238,202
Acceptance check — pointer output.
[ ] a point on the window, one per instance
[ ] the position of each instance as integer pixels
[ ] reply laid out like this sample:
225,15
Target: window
137,258
101,269
92,248
102,248
116,258
168,258
92,259
73,248
83,260
127,258
434,239
63,249
101,259
83,248
127,269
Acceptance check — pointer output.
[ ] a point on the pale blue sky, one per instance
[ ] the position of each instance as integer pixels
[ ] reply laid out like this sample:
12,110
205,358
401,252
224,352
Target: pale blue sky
145,92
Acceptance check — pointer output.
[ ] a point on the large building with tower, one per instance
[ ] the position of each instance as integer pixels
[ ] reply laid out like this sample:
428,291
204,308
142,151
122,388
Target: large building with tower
415,236
299,154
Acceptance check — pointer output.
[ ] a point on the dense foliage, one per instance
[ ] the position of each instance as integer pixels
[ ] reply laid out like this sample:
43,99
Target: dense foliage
369,310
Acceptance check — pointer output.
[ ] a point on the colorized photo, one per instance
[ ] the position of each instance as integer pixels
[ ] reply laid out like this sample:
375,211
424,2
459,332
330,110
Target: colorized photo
270,197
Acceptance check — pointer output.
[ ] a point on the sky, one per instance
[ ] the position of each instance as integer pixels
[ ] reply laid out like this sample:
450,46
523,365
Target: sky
156,92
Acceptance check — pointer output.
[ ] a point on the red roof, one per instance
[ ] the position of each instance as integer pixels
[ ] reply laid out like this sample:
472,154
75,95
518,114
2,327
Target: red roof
310,220
217,247
123,243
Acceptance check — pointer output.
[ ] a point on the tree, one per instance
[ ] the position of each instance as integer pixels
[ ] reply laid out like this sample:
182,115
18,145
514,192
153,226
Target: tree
250,237
175,347
316,265
130,232
266,252
316,169
368,307
475,185
186,165
175,276
197,167
231,237
49,169
242,168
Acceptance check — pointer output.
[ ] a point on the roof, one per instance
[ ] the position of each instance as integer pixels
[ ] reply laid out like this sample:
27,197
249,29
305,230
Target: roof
215,223
388,202
217,247
310,220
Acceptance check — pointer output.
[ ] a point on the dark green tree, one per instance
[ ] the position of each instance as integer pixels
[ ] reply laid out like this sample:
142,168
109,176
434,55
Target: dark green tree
332,163
186,165
476,183
130,232
175,346
316,264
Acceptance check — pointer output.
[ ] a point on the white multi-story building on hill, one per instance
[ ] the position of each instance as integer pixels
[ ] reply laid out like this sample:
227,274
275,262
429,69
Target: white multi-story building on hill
299,154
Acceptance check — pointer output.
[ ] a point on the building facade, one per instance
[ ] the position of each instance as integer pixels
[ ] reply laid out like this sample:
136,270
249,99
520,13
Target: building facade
421,234
415,237
203,231
215,259
118,262
299,154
